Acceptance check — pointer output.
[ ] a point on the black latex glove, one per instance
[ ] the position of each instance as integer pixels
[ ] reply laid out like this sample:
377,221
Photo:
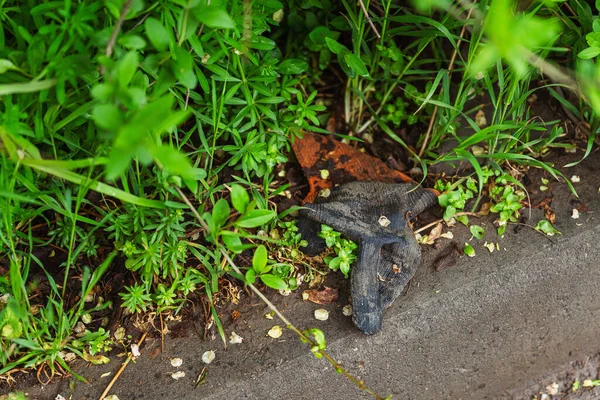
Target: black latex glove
387,256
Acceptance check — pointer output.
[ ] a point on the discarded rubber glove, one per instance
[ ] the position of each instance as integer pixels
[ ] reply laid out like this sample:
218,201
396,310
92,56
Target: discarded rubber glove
388,254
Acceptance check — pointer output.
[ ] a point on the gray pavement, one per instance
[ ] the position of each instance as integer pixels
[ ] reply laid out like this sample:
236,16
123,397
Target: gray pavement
472,331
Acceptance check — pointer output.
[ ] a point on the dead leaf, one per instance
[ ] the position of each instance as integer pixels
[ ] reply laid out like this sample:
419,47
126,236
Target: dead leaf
435,232
549,214
485,208
325,296
235,314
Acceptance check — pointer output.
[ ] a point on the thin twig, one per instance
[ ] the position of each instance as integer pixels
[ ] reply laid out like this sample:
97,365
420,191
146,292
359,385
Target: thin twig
362,5
533,227
120,371
437,221
115,33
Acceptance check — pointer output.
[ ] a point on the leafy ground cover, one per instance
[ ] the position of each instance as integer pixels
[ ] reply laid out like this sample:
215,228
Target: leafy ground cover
144,145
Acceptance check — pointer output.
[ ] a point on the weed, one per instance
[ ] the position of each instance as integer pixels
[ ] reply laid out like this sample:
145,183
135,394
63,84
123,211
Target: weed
344,249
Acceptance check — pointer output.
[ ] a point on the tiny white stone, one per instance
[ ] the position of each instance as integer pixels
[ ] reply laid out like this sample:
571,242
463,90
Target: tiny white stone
104,375
59,397
135,350
489,246
178,375
234,338
575,179
208,356
384,221
321,314
176,362
347,310
575,214
552,389
275,332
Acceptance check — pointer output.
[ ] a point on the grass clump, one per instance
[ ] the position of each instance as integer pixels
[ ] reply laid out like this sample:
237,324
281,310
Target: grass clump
114,114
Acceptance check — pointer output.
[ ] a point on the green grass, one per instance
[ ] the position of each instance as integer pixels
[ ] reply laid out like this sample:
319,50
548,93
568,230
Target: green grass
114,114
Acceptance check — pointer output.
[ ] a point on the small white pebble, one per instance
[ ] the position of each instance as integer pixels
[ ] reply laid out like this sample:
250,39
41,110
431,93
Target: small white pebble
575,214
59,397
384,221
104,375
234,338
275,332
575,179
135,350
347,310
489,246
178,375
552,389
176,362
208,357
321,314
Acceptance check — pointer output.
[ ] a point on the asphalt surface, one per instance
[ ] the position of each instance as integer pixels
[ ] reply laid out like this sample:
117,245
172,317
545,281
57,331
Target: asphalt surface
475,330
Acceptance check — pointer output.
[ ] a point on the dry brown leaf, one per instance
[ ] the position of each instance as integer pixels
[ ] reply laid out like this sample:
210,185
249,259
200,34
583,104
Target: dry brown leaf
325,296
435,232
550,215
485,208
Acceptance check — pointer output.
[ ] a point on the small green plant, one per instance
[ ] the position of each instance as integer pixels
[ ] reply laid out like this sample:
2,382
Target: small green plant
344,249
261,268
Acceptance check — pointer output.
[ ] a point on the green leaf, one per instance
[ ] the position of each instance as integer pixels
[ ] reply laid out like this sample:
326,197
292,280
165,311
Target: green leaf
220,213
335,47
469,250
127,67
250,276
477,231
588,53
259,261
273,281
108,117
213,17
546,227
47,167
233,243
292,66
239,198
255,218
356,64
27,87
157,33
463,219
132,41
